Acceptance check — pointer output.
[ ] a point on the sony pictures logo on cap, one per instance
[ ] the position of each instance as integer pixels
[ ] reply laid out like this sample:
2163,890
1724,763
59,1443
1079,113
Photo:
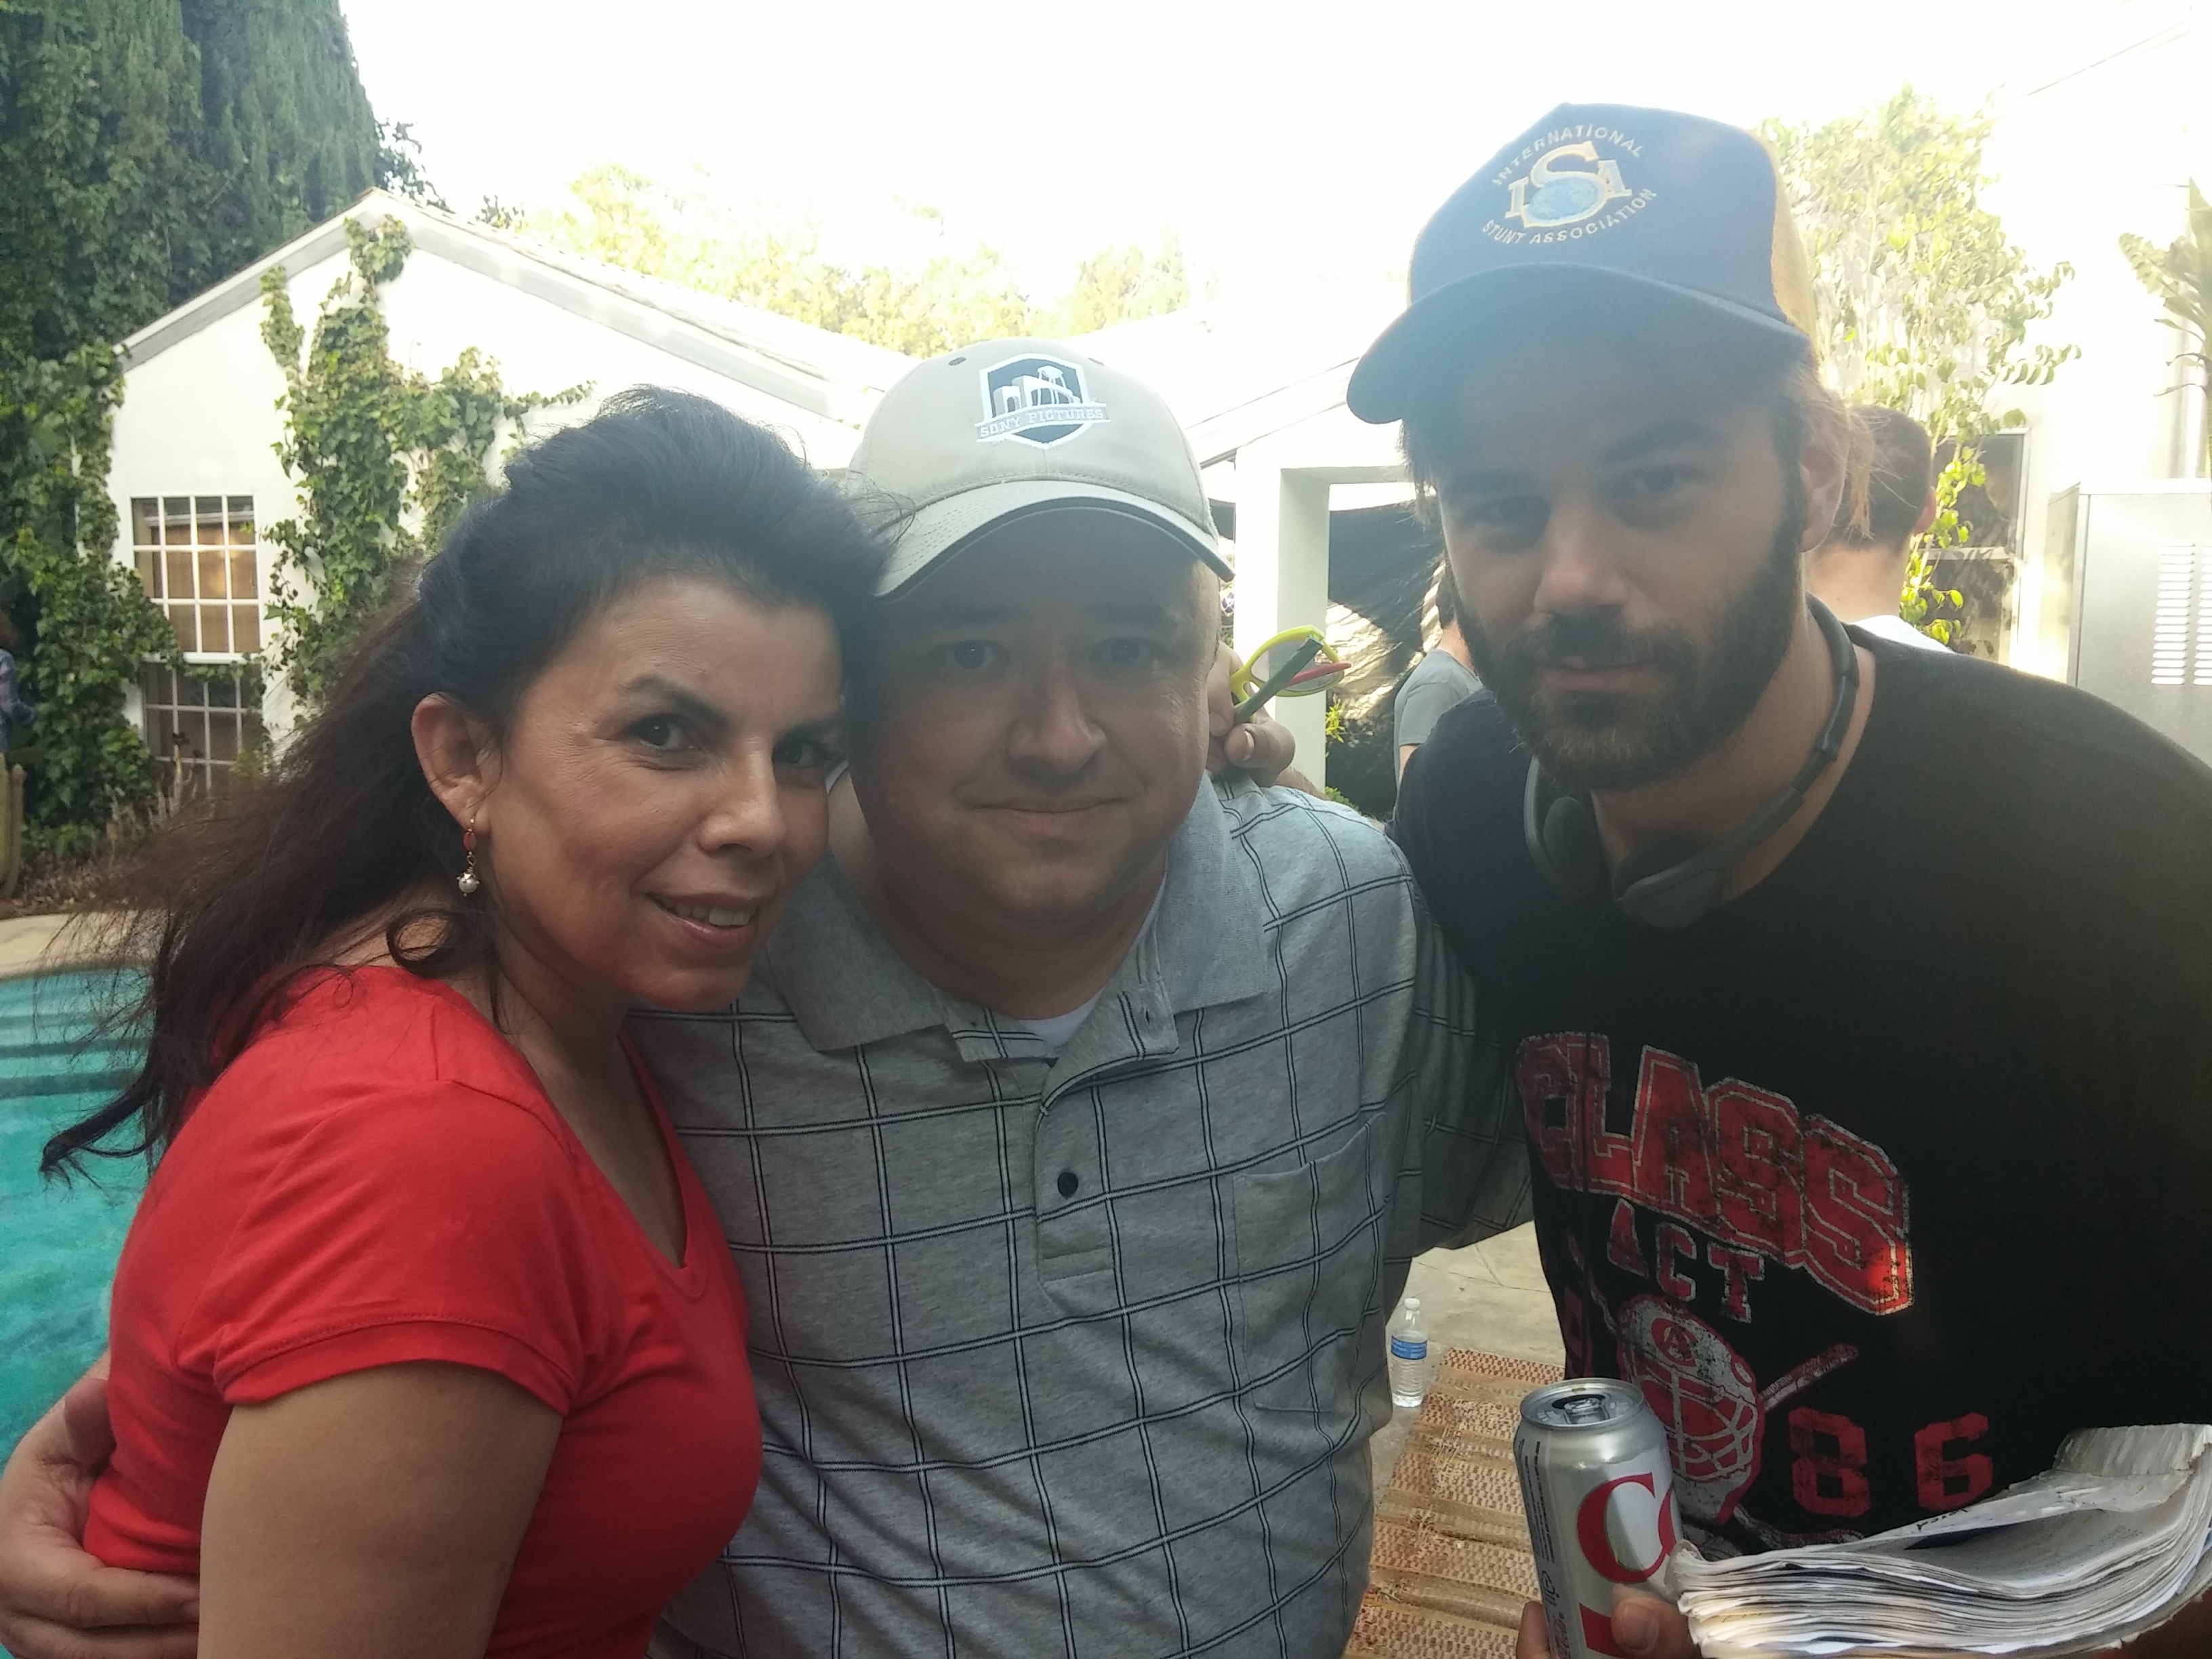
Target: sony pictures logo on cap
1035,400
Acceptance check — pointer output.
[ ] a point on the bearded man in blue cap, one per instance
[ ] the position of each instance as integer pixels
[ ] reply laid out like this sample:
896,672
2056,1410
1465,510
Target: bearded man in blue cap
1862,995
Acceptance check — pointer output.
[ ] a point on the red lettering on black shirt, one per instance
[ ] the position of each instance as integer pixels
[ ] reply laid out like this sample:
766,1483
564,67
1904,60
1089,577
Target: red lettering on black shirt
1947,1482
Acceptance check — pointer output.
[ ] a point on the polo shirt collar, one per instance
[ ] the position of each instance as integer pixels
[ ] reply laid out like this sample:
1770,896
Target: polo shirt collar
848,987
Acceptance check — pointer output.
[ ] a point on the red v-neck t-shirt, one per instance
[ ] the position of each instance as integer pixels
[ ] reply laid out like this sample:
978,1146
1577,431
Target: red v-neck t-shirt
378,1179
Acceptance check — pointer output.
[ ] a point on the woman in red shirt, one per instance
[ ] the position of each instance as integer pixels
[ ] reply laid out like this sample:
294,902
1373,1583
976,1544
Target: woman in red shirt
425,1341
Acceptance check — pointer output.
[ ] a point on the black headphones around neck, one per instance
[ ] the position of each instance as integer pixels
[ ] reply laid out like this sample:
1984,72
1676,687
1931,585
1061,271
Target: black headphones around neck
1670,883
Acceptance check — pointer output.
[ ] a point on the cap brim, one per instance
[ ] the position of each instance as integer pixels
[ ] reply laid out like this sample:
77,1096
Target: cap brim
933,533
1409,353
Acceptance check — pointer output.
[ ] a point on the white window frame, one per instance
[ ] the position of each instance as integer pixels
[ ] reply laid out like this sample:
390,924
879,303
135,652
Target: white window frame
173,705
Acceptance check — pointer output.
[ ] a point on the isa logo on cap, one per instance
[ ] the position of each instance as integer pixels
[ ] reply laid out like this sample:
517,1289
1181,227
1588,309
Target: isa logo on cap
1568,184
1035,400
1555,192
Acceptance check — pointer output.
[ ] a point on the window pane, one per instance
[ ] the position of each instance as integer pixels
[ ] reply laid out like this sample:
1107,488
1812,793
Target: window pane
212,561
244,584
245,628
192,725
206,508
222,737
180,573
150,570
241,530
145,520
215,628
221,693
178,532
186,623
175,507
150,680
241,506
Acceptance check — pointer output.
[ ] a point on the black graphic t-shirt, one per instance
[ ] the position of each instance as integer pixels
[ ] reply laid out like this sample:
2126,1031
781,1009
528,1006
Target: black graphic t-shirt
1884,1175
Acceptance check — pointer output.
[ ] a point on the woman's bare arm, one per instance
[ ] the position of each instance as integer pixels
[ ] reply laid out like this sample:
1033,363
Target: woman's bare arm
373,1517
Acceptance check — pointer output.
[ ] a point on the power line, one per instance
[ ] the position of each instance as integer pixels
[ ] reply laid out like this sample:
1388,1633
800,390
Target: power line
2174,33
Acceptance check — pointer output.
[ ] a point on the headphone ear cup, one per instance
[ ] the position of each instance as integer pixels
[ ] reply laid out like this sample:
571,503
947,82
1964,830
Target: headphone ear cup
1571,842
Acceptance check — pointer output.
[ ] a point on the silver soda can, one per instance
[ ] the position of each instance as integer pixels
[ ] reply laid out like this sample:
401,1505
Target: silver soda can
1599,1495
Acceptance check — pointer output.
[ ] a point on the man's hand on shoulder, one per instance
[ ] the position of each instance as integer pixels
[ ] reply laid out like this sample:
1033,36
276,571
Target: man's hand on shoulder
56,1600
1643,1628
1261,747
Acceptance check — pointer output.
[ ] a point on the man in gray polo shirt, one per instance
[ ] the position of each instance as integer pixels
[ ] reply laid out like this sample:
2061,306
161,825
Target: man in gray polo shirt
1072,1141
1075,1135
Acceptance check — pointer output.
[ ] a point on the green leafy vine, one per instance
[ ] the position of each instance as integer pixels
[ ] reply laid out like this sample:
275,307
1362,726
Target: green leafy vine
90,624
385,458
1925,303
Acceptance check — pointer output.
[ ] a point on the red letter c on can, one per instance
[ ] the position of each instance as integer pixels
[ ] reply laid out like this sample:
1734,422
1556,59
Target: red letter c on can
1597,1548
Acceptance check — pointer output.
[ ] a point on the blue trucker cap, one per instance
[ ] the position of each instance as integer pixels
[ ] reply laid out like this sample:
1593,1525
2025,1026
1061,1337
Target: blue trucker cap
1593,195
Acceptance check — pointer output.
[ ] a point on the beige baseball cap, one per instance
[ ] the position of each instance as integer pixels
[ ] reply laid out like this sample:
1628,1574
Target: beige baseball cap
971,440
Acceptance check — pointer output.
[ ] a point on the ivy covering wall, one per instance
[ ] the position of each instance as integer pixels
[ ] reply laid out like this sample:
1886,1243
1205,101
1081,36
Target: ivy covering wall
385,459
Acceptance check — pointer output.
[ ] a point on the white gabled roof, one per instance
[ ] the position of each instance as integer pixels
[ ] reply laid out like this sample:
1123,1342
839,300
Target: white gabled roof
1235,374
832,375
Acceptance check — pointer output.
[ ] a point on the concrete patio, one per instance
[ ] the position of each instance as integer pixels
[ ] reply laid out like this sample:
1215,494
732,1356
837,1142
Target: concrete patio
34,944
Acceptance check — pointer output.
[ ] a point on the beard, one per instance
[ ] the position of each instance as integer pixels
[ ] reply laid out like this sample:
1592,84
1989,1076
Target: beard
1704,692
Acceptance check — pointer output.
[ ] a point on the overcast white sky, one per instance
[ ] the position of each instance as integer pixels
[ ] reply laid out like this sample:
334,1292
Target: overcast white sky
1277,138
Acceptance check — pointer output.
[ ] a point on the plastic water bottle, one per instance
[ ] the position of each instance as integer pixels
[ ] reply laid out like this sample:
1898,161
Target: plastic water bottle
1411,1367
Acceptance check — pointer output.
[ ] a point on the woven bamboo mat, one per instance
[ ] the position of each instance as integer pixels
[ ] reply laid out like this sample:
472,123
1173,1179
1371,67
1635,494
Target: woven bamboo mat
1451,1566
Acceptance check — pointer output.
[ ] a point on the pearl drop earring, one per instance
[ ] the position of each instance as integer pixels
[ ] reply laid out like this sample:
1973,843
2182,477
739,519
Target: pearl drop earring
468,881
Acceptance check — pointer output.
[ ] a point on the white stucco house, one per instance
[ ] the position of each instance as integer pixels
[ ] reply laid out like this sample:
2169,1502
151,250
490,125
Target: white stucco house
194,471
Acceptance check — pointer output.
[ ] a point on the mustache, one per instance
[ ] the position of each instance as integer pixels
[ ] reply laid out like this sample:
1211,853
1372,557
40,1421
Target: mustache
1594,640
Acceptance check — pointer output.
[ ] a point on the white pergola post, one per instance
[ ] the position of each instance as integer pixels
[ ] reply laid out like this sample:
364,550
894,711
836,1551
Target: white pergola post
1282,544
1282,577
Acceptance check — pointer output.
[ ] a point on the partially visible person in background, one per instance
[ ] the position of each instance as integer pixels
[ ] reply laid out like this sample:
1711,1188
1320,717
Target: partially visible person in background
13,711
1859,574
1443,680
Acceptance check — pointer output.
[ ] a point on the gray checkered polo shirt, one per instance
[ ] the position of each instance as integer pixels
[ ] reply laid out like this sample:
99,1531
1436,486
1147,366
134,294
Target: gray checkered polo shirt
1081,1355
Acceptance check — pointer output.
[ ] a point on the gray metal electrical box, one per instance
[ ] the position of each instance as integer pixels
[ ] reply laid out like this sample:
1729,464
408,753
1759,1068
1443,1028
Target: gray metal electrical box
2142,627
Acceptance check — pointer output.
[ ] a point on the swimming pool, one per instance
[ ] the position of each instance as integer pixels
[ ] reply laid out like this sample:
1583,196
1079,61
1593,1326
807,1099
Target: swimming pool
58,1244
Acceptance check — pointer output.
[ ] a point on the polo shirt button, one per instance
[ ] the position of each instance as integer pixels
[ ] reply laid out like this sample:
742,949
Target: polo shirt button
1069,1180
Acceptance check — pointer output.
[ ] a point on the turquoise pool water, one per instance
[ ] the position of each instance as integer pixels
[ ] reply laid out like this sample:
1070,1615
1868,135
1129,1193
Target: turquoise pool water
58,1244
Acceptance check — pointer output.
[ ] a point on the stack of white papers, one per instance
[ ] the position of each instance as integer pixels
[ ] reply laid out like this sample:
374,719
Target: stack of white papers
2115,1539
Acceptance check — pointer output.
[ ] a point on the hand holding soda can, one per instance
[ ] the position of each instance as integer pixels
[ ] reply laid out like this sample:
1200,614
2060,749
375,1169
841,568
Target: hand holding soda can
1599,1495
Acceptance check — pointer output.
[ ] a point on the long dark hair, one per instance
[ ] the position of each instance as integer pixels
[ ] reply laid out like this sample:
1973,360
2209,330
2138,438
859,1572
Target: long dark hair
657,483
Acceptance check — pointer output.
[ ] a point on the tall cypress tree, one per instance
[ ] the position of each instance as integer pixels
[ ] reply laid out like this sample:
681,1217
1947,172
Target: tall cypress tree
99,126
290,134
151,148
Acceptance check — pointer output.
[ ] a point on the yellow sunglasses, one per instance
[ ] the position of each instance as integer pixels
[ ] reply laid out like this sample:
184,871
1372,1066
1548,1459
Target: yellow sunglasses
1298,662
